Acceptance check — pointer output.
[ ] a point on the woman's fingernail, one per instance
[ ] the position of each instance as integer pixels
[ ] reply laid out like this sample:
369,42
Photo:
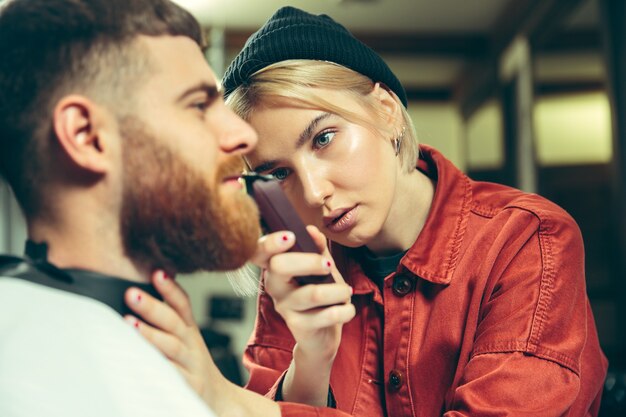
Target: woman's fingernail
162,276
326,264
137,297
286,238
132,321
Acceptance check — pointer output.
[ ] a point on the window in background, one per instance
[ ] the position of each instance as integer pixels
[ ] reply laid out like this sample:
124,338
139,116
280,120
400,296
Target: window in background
439,125
484,138
12,224
573,129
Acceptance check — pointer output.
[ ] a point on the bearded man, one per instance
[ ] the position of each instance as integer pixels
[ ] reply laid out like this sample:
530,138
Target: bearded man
123,157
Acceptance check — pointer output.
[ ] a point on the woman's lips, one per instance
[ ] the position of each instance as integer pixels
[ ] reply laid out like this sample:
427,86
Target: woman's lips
342,221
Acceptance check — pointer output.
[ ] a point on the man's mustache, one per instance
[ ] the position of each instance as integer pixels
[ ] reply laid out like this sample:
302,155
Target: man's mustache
234,166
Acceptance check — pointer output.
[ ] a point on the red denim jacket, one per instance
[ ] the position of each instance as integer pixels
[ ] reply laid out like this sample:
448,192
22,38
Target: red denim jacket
486,315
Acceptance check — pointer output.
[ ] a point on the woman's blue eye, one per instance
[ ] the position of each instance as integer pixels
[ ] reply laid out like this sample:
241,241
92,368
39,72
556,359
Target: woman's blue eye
280,173
323,140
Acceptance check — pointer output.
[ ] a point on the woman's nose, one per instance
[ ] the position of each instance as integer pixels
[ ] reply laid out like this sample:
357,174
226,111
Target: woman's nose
316,187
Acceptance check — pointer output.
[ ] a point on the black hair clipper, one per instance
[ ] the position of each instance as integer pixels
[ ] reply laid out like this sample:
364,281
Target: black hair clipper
277,214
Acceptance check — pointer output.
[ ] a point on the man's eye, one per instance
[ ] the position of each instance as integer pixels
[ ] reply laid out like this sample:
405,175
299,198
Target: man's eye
323,139
280,173
201,105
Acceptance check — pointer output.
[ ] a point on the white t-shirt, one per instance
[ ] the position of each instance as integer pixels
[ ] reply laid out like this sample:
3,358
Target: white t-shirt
68,355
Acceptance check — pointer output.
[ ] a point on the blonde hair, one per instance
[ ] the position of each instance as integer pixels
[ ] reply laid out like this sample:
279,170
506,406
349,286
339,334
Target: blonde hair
295,80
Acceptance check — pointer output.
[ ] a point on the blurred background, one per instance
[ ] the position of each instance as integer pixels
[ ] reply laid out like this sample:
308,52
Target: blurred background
530,93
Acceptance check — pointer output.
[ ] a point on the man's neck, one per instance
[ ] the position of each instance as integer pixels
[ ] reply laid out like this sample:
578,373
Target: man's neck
78,246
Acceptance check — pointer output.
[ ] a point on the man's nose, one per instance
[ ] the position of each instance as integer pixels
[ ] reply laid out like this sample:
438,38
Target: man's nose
239,137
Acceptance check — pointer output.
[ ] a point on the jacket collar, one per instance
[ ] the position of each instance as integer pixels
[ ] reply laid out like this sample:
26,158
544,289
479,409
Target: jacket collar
435,254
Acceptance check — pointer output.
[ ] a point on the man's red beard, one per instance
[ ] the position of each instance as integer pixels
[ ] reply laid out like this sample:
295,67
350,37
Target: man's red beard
175,219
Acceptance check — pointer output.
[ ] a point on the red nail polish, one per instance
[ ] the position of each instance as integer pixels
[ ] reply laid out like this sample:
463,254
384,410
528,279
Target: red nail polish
136,324
138,297
328,264
285,238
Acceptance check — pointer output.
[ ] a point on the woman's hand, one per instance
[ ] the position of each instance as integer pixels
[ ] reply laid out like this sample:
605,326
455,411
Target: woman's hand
173,331
313,313
171,328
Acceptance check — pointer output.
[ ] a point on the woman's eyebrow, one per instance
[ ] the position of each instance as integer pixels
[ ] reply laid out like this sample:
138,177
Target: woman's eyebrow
306,133
302,139
265,166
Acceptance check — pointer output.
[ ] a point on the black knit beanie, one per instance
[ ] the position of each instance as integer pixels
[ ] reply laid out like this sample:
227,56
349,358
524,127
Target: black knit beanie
294,34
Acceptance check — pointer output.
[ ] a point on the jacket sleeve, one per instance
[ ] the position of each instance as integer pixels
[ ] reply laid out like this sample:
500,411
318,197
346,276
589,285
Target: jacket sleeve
513,384
301,410
267,357
536,350
265,365
266,381
269,350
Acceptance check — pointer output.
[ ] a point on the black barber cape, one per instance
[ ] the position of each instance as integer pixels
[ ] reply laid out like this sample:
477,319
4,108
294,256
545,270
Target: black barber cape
36,268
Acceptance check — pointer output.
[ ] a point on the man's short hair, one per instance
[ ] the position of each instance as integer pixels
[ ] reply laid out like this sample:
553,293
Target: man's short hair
51,48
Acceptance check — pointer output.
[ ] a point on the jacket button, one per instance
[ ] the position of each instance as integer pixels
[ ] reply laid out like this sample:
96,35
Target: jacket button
396,380
402,285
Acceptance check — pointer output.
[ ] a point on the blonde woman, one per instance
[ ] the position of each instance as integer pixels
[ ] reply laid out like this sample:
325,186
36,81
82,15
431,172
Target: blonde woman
468,297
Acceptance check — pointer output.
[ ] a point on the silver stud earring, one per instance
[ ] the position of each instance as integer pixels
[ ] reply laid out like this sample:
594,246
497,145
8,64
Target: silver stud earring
397,142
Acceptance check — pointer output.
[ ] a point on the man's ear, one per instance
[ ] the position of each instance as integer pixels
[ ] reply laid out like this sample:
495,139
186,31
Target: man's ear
78,128
390,104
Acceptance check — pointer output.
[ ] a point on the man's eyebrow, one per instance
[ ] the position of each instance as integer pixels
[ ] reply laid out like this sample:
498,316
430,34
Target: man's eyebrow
211,90
302,139
306,133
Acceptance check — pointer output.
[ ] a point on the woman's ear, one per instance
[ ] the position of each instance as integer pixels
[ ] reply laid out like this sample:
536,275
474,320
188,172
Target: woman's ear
78,129
389,103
